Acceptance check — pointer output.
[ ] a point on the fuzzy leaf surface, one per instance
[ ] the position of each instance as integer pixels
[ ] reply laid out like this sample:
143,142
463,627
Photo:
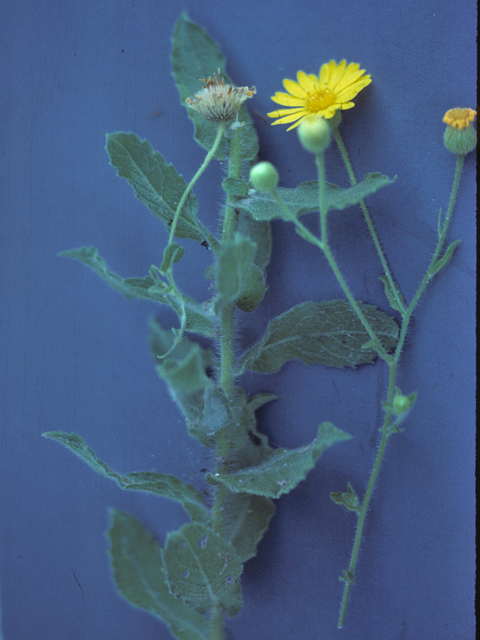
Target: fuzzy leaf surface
154,182
139,576
163,485
195,56
233,268
283,469
144,289
203,569
304,198
326,333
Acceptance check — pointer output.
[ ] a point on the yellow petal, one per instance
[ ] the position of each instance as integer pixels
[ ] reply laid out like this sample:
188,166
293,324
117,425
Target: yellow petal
293,88
325,71
305,81
287,100
291,118
350,92
349,79
282,112
337,74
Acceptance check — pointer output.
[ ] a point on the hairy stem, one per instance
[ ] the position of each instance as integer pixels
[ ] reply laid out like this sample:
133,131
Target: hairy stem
349,575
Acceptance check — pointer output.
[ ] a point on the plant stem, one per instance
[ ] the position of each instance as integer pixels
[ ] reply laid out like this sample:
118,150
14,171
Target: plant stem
209,237
331,260
349,575
227,329
368,220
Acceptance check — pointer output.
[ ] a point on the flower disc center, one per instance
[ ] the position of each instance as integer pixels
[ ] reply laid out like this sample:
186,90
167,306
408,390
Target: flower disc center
320,99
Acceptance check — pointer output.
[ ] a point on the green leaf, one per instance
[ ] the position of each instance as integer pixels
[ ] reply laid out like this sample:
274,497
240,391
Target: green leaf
327,333
139,576
247,518
235,187
443,261
348,498
198,321
304,198
173,253
394,295
203,569
154,182
233,268
160,484
195,56
283,469
184,368
260,233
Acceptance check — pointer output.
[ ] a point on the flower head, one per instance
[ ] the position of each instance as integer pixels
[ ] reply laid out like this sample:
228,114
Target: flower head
334,89
460,137
217,101
459,118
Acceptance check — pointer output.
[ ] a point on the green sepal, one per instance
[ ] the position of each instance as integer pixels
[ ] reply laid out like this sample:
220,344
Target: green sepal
445,259
283,469
304,199
203,569
235,187
139,575
327,333
154,182
160,484
196,56
394,296
348,498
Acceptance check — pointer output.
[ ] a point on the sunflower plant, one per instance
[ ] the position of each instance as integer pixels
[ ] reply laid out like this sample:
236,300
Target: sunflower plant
193,580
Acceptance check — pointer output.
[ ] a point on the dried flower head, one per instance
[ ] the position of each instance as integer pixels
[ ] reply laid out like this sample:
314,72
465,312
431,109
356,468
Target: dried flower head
219,102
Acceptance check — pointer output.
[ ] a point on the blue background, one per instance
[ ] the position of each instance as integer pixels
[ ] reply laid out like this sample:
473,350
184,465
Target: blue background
75,357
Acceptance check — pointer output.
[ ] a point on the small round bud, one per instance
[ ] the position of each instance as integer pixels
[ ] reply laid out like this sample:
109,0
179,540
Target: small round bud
314,134
401,404
264,176
460,137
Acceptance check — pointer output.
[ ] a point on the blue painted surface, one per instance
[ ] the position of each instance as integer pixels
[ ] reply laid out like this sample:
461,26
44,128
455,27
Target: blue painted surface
75,357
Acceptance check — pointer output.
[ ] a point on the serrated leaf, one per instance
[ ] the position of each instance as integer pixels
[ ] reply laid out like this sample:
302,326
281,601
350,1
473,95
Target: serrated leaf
304,198
283,469
139,576
163,485
326,333
394,295
144,289
233,267
195,56
203,569
154,182
445,259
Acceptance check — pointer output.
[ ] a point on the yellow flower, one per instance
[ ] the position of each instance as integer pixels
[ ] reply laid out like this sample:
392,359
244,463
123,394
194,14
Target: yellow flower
460,137
459,118
334,89
219,102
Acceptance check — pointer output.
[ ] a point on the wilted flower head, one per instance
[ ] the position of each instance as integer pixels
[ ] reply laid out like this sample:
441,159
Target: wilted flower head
217,101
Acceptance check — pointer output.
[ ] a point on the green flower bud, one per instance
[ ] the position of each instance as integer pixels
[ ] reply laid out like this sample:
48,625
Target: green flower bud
314,134
264,176
460,137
